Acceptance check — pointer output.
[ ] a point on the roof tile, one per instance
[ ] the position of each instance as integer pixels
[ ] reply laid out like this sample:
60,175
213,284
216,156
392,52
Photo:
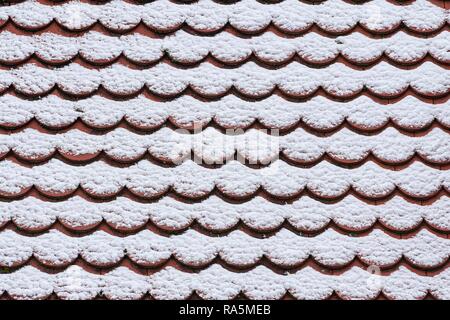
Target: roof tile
192,149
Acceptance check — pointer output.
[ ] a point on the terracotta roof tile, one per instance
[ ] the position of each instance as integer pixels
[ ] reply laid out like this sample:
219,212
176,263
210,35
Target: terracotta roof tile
322,128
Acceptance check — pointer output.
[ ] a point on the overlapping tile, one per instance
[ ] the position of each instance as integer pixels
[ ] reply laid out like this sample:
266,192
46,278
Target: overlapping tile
103,117
307,215
250,80
248,17
215,148
186,49
56,179
237,249
318,114
75,283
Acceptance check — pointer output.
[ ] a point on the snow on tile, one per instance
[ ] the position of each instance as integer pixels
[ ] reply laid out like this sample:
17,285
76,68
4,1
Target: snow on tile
212,146
216,282
390,212
285,248
192,180
184,47
245,15
250,80
229,112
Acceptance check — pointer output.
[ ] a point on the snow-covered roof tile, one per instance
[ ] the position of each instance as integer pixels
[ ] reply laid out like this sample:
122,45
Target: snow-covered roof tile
257,149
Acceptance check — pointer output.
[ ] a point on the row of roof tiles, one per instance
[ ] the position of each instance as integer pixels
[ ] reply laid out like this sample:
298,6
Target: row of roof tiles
294,80
414,268
186,49
317,115
217,282
247,16
215,148
214,215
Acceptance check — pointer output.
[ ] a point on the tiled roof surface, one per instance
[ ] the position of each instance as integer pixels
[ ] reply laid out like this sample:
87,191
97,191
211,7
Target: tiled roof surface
334,184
